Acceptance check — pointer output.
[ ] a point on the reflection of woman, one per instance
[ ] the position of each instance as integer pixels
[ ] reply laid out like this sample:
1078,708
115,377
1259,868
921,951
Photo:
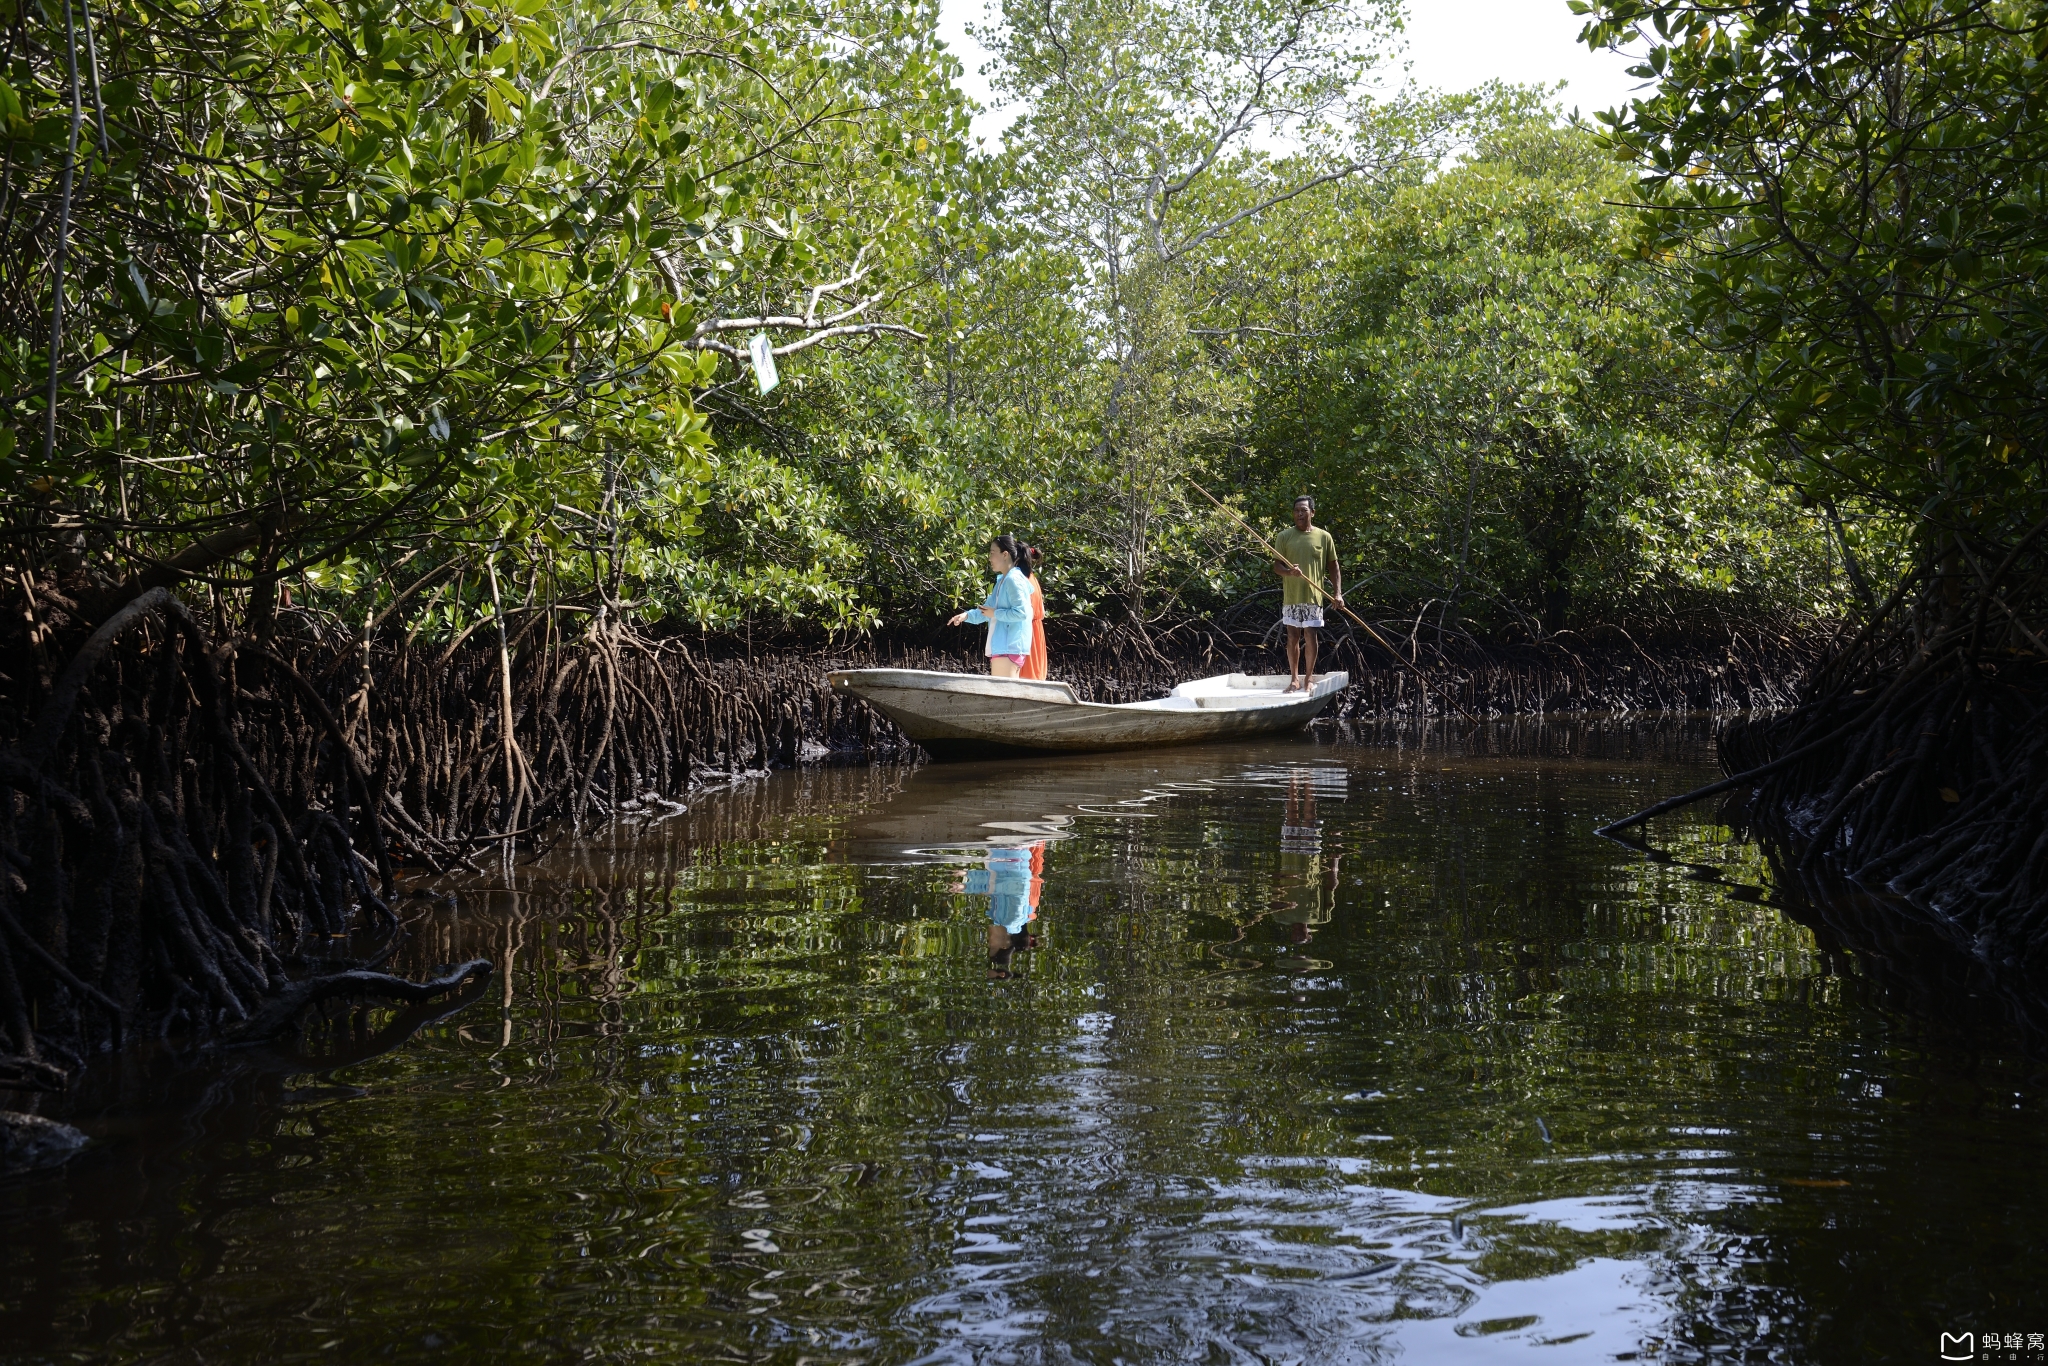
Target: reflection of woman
1013,882
1008,607
1035,663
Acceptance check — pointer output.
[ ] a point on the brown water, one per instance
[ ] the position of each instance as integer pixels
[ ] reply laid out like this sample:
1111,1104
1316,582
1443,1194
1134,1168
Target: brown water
1331,1050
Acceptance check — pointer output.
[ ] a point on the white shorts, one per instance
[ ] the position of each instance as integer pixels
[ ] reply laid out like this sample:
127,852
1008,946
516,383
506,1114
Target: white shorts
1301,614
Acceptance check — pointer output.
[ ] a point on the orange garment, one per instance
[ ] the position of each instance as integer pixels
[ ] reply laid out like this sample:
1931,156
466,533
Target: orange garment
1034,663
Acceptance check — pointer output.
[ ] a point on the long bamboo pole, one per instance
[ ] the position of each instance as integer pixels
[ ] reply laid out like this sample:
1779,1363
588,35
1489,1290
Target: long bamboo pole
1321,596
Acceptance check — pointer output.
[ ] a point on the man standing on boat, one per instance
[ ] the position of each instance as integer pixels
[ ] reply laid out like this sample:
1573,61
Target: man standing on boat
1311,558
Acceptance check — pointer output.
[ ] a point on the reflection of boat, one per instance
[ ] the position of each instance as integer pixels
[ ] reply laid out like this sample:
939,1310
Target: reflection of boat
963,716
941,810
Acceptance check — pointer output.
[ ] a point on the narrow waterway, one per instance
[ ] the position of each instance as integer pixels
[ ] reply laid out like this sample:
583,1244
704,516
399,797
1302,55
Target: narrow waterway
1343,1048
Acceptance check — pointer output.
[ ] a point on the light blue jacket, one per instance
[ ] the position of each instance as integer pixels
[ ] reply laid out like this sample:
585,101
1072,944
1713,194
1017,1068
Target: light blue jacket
1009,606
1007,883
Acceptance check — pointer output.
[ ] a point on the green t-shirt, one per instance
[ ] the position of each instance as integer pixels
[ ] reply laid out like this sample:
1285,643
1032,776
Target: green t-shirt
1311,551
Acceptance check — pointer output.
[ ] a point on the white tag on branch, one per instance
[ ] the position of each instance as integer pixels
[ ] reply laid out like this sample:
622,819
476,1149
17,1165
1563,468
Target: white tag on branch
763,352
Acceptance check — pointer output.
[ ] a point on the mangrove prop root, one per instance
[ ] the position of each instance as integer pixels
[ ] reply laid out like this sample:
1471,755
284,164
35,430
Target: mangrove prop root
1915,765
162,832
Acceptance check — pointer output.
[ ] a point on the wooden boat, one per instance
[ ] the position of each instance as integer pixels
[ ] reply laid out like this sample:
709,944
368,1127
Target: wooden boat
967,716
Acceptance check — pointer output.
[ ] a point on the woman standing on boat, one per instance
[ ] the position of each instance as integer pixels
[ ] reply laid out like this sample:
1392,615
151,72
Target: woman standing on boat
1008,607
1035,663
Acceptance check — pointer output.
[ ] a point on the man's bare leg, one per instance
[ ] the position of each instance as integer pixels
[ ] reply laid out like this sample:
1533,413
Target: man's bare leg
1308,648
1294,634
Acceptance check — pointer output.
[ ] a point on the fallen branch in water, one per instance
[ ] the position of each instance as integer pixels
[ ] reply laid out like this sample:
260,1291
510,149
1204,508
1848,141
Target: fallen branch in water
1754,775
282,1012
27,1074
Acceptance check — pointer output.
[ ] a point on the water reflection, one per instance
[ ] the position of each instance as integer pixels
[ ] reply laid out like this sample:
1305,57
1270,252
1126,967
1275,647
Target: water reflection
1013,880
1350,1049
1305,893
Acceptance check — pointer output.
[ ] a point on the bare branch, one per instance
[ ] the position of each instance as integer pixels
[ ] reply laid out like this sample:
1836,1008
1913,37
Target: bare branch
809,340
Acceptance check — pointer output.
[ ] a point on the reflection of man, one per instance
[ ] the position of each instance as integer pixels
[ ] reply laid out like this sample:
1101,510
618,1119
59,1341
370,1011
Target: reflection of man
1305,893
1013,881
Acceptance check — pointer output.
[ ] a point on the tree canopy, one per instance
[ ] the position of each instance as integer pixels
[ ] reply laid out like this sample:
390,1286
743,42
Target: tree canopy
1502,382
1852,195
295,287
396,304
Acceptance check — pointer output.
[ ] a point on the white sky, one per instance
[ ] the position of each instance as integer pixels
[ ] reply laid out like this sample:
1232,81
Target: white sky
1452,45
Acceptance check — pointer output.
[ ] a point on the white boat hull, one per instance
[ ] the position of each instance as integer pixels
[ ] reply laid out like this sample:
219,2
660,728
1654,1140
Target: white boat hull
965,716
